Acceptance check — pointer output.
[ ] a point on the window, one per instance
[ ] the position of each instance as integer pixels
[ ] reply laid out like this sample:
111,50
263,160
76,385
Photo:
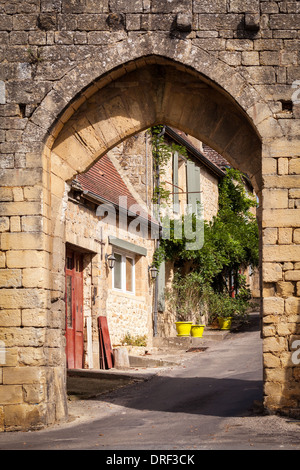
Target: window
124,273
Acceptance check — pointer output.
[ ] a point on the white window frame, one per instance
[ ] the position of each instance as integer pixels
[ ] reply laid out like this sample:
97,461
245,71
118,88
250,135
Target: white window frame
123,272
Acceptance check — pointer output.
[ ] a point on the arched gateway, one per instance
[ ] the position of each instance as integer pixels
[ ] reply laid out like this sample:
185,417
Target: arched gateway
99,102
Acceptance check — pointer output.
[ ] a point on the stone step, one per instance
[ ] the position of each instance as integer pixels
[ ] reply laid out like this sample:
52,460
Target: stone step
184,342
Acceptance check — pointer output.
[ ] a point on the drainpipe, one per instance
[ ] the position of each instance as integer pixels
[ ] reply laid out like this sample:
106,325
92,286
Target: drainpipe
146,169
157,182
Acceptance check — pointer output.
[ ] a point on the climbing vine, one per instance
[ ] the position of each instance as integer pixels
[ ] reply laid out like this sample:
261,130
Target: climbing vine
162,152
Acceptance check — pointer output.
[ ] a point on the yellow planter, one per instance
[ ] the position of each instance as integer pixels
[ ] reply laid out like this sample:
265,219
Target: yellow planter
197,331
225,323
183,328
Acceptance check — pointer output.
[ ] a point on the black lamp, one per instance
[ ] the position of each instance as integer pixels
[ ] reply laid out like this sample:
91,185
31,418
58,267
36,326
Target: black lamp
110,259
153,271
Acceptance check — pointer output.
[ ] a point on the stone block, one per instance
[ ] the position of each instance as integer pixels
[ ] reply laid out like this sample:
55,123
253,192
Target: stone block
26,416
242,6
20,208
277,375
292,275
10,317
294,193
32,223
296,237
11,394
281,252
218,22
34,393
4,224
24,241
23,375
158,6
207,6
32,356
294,166
284,21
35,317
292,305
27,259
285,236
275,198
285,289
23,298
271,361
121,359
272,272
281,218
283,166
15,223
270,236
273,305
35,277
273,345
250,58
10,278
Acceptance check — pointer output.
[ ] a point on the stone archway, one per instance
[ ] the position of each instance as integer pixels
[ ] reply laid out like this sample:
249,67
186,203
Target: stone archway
159,92
83,117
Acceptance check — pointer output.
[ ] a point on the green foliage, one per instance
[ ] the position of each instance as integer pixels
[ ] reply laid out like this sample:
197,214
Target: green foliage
230,239
137,340
222,305
186,296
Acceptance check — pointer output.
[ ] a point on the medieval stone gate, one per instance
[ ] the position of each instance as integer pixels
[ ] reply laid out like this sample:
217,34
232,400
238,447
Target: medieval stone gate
80,76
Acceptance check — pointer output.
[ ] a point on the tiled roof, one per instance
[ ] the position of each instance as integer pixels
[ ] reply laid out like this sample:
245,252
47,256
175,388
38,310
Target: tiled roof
214,157
103,180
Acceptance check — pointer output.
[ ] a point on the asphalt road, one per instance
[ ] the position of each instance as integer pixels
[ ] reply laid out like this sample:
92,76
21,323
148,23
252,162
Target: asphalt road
207,403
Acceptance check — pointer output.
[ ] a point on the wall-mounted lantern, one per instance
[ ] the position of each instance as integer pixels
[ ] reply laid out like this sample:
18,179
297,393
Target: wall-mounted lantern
153,271
110,259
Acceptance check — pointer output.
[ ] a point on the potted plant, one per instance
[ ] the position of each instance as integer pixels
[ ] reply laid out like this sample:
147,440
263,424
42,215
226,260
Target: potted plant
197,330
184,298
226,312
221,309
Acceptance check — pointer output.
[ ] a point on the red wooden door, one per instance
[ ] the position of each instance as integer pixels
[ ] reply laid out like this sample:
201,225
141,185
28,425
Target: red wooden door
74,310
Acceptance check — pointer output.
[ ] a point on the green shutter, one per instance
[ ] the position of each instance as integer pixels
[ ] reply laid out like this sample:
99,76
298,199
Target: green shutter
193,185
175,183
197,189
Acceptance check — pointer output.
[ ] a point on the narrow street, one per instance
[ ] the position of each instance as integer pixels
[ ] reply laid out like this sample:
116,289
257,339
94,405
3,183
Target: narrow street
210,402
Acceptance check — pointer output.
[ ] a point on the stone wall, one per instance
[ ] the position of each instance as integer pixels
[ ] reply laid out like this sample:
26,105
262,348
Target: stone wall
240,63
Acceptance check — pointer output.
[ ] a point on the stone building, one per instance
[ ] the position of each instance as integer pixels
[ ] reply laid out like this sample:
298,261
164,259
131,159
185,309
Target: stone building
103,217
78,77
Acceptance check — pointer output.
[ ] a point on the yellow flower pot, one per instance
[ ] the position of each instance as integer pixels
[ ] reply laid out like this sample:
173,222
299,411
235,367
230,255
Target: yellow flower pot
225,323
197,331
183,328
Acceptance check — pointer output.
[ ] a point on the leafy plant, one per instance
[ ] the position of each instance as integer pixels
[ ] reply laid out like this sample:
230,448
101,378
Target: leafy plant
185,296
230,239
137,340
